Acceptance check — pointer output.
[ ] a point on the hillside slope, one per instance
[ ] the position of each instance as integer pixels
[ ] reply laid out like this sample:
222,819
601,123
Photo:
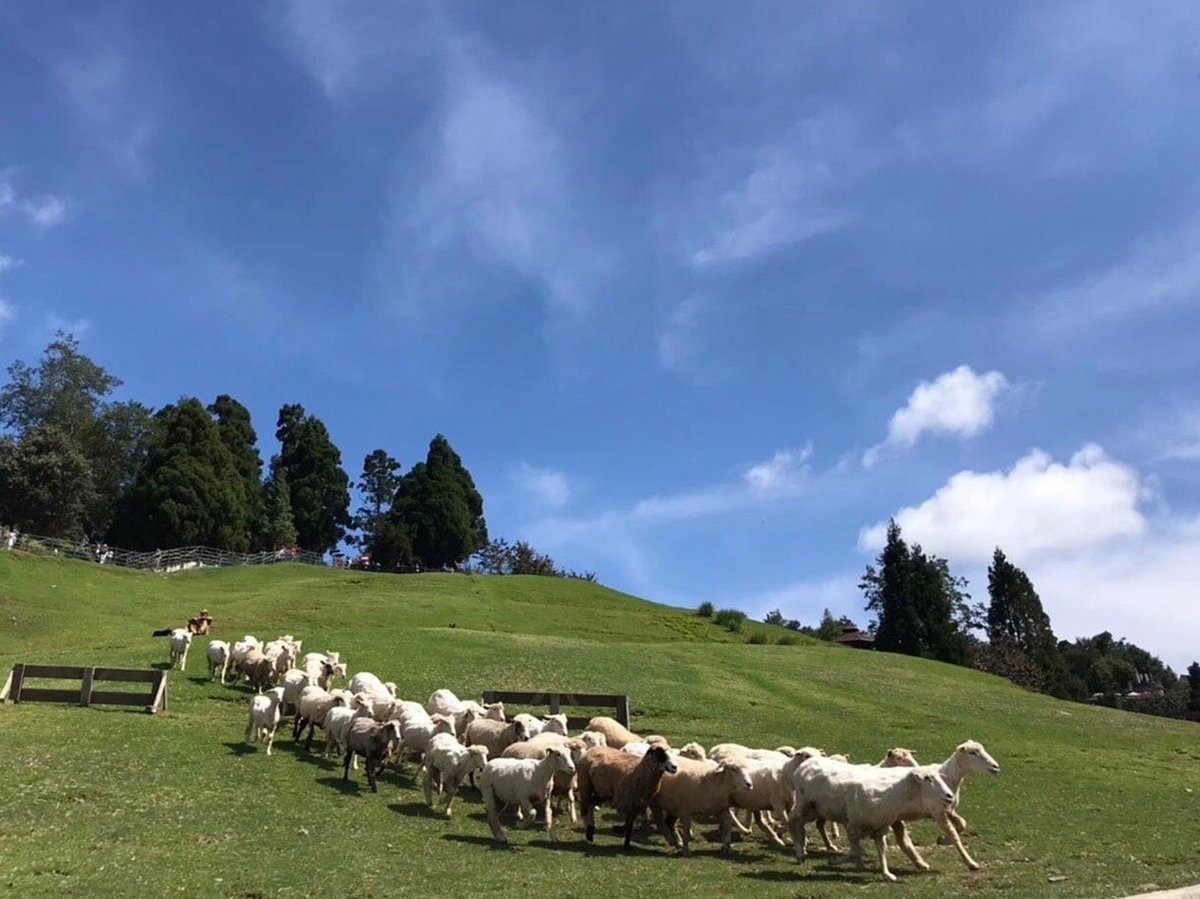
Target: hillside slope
107,801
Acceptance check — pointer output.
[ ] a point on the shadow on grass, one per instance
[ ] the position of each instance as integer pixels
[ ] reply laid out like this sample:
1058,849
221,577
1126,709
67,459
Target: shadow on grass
415,810
479,841
241,747
345,787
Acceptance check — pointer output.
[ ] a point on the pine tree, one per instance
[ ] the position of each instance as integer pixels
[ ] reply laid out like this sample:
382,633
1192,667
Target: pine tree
1017,620
378,484
278,526
439,508
237,433
189,491
922,609
320,488
1193,676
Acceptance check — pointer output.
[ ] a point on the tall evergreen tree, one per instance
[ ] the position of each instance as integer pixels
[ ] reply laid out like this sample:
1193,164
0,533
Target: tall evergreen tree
320,488
1015,618
1193,675
45,484
278,526
189,491
237,433
440,509
378,484
922,609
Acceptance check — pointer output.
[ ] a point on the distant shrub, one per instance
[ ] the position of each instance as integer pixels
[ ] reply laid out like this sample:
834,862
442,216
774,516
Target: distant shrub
730,619
787,640
705,610
758,638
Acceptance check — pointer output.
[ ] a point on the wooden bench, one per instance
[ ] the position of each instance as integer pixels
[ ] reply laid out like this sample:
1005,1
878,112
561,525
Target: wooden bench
556,701
16,689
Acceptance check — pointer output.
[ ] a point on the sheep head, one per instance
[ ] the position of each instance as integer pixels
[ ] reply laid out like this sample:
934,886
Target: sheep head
899,757
661,759
932,787
789,751
693,751
976,758
735,775
495,711
562,759
555,724
478,756
442,724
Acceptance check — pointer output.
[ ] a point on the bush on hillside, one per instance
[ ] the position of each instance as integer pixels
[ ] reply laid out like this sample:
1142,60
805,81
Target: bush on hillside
787,640
758,638
705,610
730,619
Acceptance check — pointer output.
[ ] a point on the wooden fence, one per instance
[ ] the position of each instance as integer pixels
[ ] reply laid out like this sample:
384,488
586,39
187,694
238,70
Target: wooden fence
17,690
556,701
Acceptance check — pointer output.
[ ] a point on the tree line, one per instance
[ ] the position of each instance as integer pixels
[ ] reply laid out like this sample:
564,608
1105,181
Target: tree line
922,609
76,464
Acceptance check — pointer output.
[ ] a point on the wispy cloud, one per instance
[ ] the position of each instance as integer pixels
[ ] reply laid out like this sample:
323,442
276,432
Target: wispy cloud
43,211
1158,275
7,313
111,103
788,195
547,488
9,262
957,403
807,600
77,326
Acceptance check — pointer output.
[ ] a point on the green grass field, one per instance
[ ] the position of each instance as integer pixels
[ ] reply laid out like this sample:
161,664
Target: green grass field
114,802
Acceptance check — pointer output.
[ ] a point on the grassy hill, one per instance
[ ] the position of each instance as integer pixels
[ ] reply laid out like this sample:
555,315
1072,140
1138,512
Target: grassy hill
119,803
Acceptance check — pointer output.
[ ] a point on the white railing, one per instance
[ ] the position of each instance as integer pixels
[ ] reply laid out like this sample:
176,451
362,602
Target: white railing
166,560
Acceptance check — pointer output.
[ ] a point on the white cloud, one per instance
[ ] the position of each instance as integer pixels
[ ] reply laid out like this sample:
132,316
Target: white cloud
7,312
782,472
8,194
1036,508
786,197
76,326
959,403
547,488
1143,588
45,212
8,262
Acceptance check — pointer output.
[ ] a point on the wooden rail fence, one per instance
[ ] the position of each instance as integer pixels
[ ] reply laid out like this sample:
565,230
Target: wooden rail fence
556,701
16,689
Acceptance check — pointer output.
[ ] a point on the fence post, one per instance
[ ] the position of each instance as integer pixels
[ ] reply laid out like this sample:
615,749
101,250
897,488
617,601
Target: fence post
554,703
623,710
85,692
18,675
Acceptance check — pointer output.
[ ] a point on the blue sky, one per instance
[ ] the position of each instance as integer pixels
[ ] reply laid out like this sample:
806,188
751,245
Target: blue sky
701,292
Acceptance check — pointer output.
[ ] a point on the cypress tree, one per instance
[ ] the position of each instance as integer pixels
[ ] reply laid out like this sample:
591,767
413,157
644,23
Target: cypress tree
237,433
1016,618
440,509
189,491
278,527
1193,676
320,488
378,484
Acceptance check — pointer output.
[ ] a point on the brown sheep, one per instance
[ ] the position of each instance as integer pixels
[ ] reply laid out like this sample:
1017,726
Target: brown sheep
698,788
626,781
615,733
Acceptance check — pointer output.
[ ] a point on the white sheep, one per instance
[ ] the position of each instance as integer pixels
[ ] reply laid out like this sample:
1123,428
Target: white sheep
449,762
615,733
337,725
444,702
179,642
536,747
293,684
693,751
366,682
288,642
218,658
417,730
264,717
323,668
495,735
522,782
868,800
697,788
239,649
312,707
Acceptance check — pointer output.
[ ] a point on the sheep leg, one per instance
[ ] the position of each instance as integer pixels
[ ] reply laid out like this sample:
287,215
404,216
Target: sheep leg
589,817
685,834
250,729
270,740
741,828
727,818
549,819
346,768
907,847
774,837
525,814
829,844
428,772
796,824
881,848
493,818
666,826
959,824
953,836
297,727
629,822
372,765
451,792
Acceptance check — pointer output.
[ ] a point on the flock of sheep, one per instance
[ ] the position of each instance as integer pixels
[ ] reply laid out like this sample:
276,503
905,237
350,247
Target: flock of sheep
531,763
